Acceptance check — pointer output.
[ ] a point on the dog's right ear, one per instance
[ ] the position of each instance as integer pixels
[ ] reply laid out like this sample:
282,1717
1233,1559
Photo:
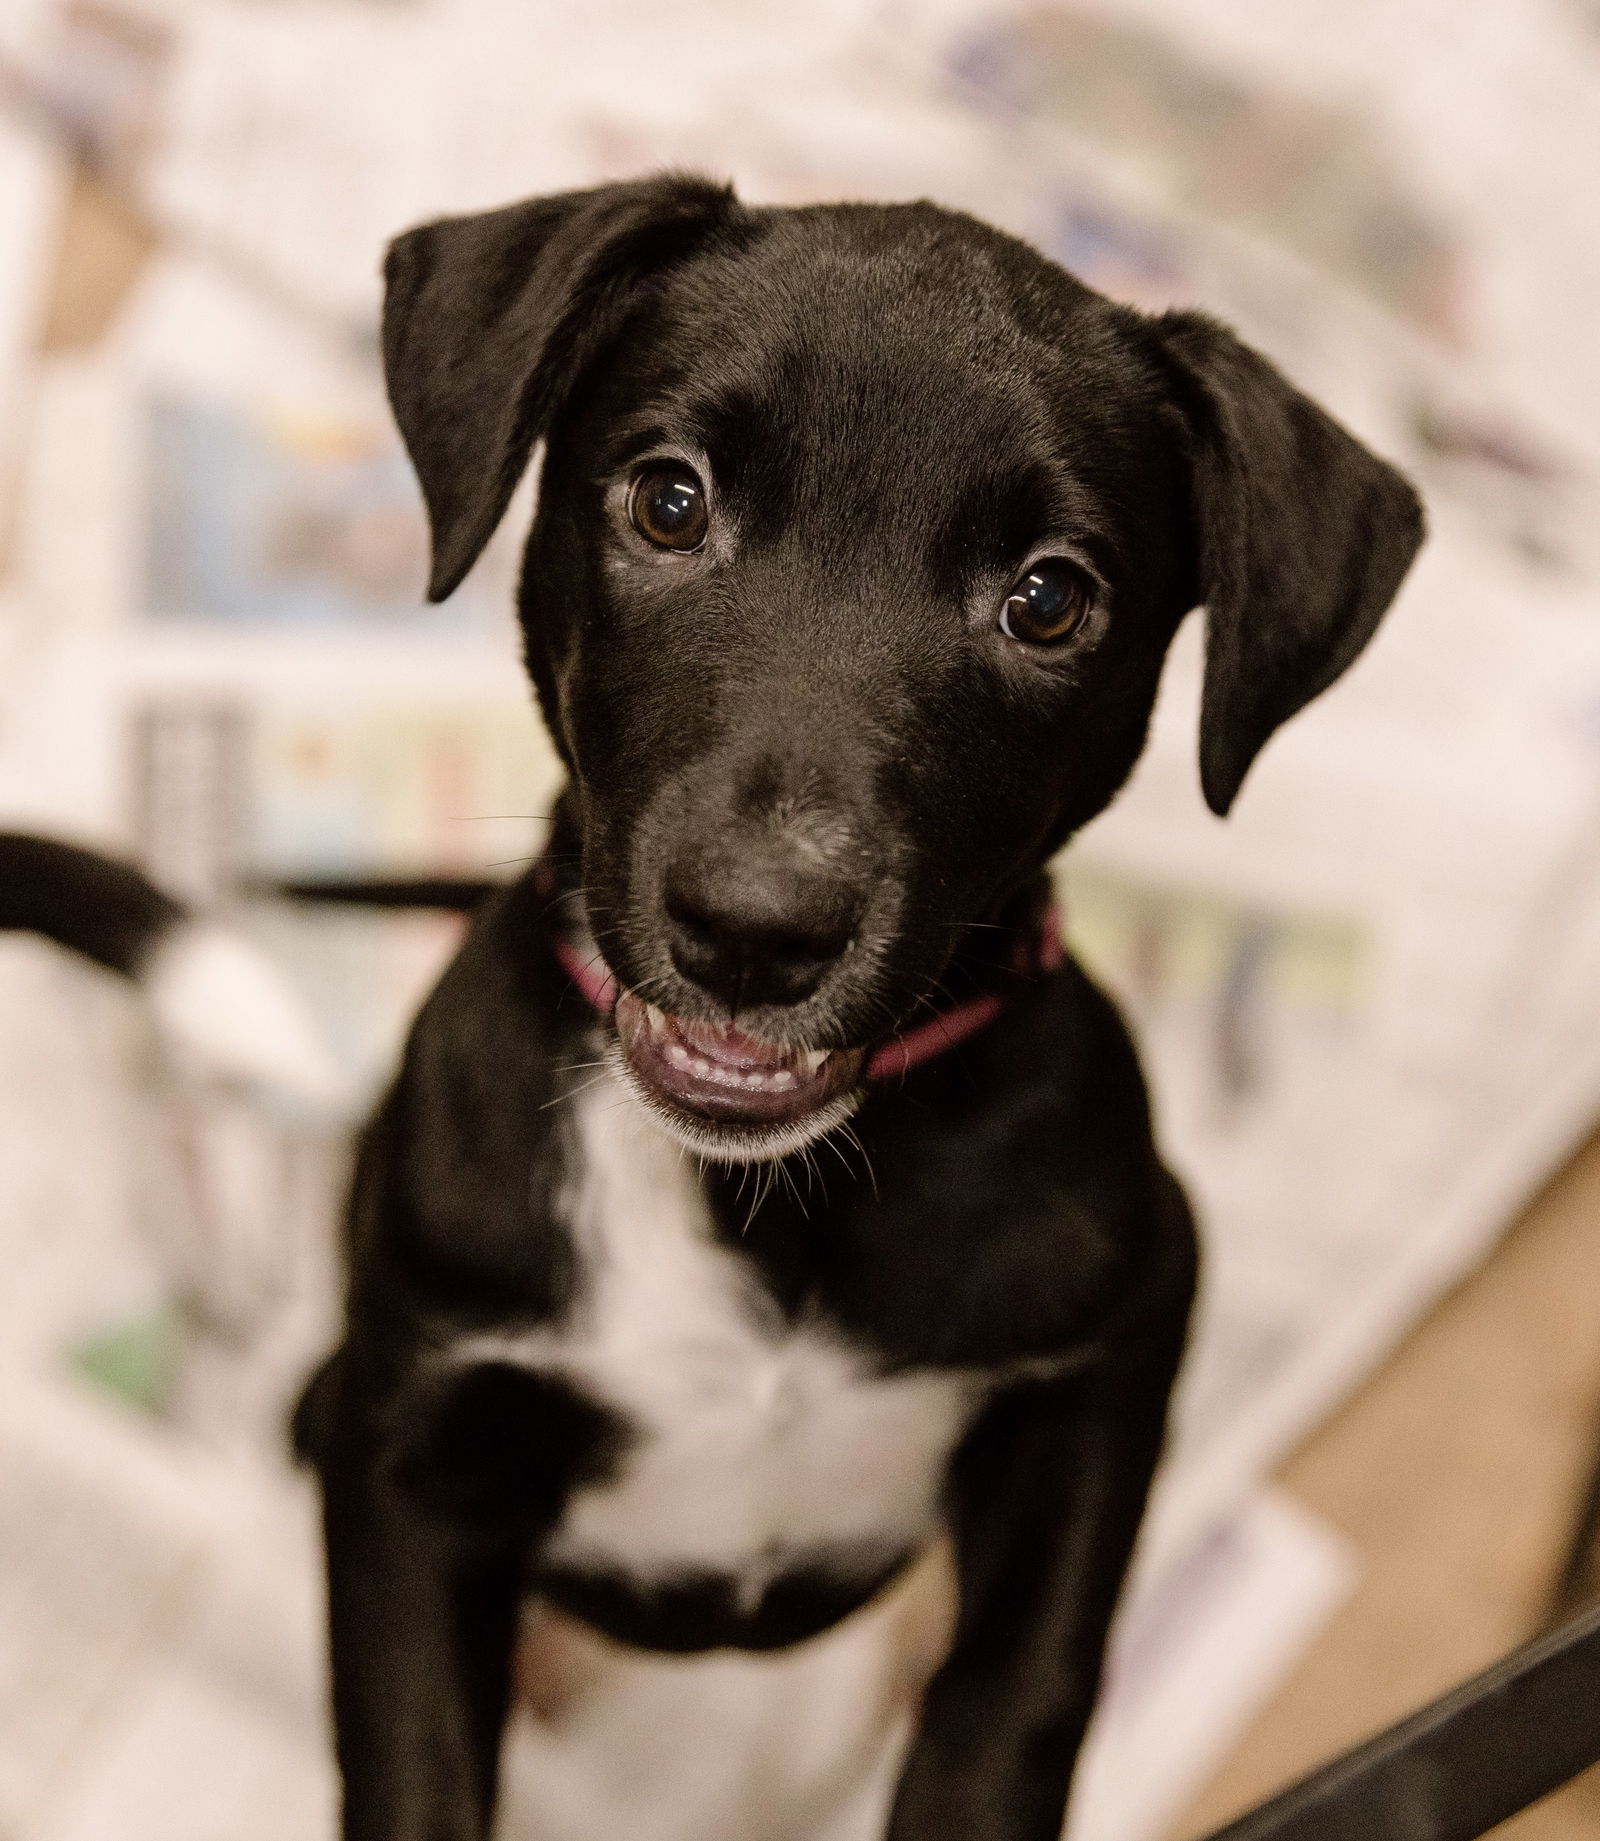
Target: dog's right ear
487,320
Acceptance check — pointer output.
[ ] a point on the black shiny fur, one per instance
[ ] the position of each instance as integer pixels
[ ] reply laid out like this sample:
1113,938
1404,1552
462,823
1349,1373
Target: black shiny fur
896,408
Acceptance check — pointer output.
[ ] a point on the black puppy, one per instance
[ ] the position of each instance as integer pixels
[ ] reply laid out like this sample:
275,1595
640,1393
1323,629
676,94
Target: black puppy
861,536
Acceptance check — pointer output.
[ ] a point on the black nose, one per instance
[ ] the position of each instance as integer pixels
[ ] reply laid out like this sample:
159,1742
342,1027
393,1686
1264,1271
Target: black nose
757,929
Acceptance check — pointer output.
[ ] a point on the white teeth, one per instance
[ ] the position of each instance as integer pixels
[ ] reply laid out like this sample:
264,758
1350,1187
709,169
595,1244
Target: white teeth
700,1067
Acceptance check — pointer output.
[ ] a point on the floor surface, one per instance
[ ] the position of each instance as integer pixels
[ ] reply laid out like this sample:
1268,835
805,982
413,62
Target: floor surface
1456,1471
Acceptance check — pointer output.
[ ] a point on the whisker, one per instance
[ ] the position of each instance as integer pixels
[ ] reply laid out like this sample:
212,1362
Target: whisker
814,1168
854,1138
793,1188
573,1094
521,818
763,1181
832,1146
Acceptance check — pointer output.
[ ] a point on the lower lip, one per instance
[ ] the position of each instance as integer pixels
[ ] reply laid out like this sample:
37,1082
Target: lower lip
724,1077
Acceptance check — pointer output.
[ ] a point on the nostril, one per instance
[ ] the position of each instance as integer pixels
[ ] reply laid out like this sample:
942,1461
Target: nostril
692,922
801,952
704,948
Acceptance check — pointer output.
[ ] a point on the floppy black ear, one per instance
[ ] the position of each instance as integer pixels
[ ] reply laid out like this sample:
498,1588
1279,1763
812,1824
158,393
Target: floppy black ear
488,319
1303,536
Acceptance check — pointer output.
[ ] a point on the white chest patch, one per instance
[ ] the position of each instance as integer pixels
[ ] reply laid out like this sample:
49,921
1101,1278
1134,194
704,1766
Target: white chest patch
758,1442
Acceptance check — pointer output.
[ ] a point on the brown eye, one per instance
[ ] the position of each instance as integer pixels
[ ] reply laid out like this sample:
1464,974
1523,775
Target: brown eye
1049,604
667,506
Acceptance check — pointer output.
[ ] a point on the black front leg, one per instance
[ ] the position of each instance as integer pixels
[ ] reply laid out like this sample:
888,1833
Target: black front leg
422,1621
1048,1492
435,1496
438,1486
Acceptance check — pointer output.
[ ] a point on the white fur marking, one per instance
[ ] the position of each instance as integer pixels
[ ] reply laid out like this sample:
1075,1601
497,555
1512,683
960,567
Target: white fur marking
761,1442
800,1745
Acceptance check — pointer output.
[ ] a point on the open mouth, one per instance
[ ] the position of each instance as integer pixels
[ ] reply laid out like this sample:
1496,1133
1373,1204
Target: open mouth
732,1093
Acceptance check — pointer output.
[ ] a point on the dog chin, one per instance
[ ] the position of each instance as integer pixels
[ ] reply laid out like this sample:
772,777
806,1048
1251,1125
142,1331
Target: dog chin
727,1096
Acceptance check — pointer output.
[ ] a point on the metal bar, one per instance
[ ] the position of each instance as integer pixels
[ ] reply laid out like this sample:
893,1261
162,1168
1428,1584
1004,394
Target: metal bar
458,892
1464,1763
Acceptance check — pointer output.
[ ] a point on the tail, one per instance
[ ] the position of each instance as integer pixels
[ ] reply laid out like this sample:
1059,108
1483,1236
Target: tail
213,992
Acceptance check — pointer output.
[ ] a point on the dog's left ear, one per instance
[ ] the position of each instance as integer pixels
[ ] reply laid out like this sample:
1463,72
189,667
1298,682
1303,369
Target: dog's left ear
1302,538
488,320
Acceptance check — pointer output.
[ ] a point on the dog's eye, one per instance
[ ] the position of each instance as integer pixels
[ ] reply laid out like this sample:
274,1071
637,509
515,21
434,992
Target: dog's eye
667,506
1049,604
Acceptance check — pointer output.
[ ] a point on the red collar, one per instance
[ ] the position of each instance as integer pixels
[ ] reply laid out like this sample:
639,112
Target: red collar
944,1030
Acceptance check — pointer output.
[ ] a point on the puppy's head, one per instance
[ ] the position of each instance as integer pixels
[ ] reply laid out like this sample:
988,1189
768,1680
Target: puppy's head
862,532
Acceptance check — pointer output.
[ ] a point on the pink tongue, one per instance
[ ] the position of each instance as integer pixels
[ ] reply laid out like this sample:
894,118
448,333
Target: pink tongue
731,1046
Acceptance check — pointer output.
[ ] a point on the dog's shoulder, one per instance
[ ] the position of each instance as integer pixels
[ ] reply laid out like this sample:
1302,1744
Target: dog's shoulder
455,1202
